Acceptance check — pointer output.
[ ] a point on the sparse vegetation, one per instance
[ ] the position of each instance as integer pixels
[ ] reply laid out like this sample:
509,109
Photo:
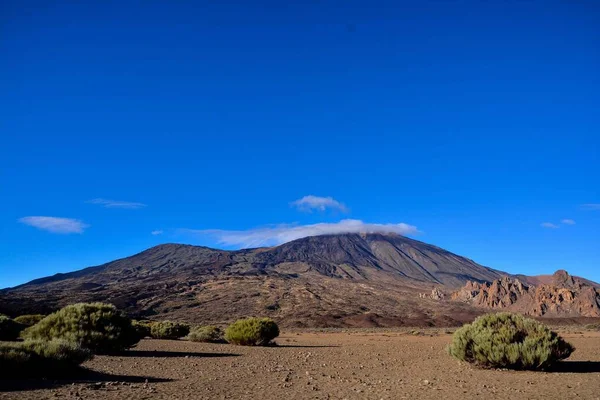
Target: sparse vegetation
169,330
9,328
252,332
142,328
98,327
508,340
29,319
38,358
207,334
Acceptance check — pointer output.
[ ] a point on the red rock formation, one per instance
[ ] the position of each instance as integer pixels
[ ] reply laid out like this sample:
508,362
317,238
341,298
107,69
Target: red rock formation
566,296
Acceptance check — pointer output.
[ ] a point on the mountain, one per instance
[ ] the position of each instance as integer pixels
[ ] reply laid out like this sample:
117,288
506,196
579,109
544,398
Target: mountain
330,280
564,295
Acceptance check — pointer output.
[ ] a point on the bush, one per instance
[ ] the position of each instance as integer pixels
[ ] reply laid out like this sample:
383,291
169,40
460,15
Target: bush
507,340
29,320
9,329
98,327
37,358
169,330
593,327
252,332
206,334
142,328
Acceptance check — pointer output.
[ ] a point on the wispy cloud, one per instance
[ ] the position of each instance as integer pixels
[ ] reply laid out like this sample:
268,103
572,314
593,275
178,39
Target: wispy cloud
55,224
273,235
116,204
310,203
548,225
157,232
590,206
567,221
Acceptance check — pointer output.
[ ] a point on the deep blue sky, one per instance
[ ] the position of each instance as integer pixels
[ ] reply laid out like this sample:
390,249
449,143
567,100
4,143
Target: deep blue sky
476,122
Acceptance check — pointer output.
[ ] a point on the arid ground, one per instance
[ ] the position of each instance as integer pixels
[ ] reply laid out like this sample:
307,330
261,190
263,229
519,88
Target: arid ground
376,364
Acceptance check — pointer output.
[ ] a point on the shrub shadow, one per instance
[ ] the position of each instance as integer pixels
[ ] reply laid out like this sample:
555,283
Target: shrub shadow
79,375
579,367
299,346
150,353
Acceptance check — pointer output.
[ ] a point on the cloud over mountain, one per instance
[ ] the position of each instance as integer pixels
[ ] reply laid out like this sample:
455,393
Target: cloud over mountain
277,234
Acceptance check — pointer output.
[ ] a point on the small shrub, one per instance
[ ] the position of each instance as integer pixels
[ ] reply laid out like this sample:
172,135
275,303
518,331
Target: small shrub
37,358
142,328
507,340
29,320
252,332
9,329
169,330
98,327
206,334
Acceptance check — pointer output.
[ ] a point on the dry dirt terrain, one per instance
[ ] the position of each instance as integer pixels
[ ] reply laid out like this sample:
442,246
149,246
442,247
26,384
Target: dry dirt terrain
377,364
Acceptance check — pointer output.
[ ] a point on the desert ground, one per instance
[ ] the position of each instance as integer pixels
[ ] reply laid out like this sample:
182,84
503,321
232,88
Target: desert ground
368,364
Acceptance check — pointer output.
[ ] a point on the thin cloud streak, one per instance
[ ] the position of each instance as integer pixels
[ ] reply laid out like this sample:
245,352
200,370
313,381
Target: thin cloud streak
310,203
55,224
548,225
567,221
278,234
157,232
106,203
590,206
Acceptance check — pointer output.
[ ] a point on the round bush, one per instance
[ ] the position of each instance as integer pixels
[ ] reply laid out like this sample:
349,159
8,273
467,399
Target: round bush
96,326
30,319
169,330
39,358
9,329
206,334
252,332
511,341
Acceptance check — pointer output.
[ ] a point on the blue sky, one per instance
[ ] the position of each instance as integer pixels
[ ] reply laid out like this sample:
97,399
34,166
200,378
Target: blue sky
472,123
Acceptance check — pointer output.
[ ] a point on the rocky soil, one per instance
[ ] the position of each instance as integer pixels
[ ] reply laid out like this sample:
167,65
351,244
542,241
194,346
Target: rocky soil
377,364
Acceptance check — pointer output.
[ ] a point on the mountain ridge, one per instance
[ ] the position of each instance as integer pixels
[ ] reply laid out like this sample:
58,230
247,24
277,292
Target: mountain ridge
366,279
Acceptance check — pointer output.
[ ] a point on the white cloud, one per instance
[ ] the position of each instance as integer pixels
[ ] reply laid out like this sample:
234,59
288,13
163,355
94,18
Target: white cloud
567,221
549,225
157,232
273,235
590,206
116,204
55,224
310,203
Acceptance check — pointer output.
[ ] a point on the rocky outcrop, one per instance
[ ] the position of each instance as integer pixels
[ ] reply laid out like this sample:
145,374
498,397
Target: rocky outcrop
436,294
501,293
565,296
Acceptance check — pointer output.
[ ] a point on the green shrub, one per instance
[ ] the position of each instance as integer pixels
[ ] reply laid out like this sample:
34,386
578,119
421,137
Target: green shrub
507,340
206,334
98,327
9,329
142,328
37,358
252,332
169,330
29,320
